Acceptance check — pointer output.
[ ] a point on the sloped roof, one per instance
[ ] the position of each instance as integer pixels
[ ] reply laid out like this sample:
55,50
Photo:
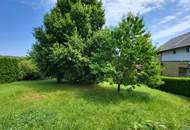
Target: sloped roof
178,42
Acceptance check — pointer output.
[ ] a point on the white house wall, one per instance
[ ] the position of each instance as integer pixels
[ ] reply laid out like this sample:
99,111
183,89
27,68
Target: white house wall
180,55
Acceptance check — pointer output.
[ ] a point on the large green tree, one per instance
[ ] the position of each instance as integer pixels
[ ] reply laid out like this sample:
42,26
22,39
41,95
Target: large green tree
135,61
62,42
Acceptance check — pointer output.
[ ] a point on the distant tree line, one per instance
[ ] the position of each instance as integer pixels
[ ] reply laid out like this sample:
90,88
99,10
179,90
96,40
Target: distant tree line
73,45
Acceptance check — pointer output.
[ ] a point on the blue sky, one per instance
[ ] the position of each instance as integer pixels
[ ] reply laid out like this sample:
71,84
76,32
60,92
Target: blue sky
163,18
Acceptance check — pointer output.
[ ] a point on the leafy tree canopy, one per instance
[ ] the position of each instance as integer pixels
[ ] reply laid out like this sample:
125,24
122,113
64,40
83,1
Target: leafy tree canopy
73,45
62,41
135,60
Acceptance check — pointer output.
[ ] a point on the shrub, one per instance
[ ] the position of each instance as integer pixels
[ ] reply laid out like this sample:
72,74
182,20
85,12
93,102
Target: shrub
15,68
176,85
9,69
29,70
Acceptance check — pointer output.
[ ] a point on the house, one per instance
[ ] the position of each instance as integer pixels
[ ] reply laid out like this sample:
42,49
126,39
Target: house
175,56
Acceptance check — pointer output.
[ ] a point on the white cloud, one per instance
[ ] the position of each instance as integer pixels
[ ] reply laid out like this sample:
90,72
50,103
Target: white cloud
52,1
185,4
175,23
176,20
166,25
39,3
115,9
168,19
173,29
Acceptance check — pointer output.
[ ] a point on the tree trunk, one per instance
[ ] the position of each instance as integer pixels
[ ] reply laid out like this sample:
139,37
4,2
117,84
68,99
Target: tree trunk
118,87
59,79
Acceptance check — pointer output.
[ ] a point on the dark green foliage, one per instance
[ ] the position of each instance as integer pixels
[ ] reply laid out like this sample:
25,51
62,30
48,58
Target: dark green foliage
176,85
16,68
62,43
9,69
101,52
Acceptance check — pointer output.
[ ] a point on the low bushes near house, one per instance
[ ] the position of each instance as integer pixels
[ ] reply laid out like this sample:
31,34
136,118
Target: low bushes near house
176,85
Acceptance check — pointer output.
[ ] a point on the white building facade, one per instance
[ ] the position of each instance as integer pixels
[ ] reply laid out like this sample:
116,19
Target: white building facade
180,54
175,56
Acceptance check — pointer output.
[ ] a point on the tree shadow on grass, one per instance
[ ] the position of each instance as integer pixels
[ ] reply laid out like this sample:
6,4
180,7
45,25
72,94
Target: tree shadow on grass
110,95
93,93
47,85
182,97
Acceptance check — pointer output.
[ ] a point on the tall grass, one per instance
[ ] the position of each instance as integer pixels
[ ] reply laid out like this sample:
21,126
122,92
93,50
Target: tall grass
45,105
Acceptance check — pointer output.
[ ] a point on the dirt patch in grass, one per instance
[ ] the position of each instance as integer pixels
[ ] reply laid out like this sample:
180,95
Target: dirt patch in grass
32,96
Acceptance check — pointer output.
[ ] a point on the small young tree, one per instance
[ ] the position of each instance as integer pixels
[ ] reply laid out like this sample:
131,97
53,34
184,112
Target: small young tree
135,59
62,41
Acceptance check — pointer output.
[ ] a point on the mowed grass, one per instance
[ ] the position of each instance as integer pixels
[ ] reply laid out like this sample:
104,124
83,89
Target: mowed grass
45,105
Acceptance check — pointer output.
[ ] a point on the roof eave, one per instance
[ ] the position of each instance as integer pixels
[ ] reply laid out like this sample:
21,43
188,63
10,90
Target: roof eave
173,48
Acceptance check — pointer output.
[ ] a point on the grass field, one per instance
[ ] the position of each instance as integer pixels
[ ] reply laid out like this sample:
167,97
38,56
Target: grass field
45,105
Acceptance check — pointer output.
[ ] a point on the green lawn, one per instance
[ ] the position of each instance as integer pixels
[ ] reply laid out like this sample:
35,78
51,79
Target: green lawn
45,105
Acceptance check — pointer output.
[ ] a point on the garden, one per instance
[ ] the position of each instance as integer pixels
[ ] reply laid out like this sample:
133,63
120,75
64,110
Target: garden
82,75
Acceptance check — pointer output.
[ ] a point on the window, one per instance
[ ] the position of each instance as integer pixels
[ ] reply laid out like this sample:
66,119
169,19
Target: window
188,50
183,72
174,51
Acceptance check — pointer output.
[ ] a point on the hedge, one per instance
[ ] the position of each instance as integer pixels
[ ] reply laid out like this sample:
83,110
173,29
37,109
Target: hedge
9,69
16,68
176,85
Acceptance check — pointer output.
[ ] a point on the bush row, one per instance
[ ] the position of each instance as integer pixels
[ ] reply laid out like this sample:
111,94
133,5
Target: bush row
9,69
176,85
14,68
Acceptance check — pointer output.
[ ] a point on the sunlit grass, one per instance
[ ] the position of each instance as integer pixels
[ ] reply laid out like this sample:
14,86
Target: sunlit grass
46,105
